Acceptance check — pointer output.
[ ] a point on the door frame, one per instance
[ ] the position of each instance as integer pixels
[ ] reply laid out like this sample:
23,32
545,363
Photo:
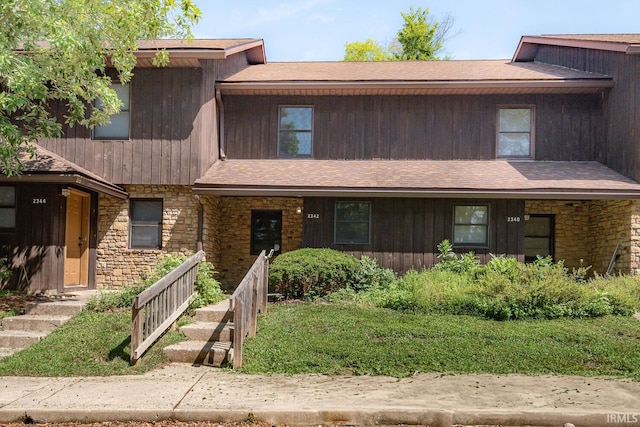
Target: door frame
86,270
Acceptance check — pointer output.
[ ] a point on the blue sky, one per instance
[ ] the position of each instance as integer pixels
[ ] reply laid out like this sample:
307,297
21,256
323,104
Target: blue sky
317,30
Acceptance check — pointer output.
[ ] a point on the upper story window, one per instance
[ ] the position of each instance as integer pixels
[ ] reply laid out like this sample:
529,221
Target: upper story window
119,126
7,209
515,132
471,225
145,219
352,223
295,131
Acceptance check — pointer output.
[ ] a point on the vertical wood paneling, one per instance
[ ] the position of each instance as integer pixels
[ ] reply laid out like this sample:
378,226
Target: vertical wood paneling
412,127
406,232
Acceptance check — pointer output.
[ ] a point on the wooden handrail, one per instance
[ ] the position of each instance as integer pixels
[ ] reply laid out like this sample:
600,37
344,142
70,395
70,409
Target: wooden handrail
156,308
249,299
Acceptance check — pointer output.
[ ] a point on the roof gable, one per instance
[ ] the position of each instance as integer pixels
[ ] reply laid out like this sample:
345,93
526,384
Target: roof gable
624,43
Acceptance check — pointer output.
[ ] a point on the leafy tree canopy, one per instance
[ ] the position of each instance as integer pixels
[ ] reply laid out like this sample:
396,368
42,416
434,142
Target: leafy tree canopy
420,38
59,50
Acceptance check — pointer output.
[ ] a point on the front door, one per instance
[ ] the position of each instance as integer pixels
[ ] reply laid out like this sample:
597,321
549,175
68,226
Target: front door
76,253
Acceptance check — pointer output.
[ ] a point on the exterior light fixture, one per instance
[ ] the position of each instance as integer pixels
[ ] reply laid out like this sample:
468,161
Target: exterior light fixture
65,192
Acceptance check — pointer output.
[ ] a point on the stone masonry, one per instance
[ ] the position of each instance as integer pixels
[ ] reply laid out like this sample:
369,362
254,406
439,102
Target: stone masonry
117,265
235,232
589,231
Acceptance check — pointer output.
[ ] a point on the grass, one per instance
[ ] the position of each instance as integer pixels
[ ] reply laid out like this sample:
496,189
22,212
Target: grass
90,344
347,338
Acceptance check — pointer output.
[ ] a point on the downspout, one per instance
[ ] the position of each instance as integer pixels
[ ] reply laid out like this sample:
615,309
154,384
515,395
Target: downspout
223,156
199,244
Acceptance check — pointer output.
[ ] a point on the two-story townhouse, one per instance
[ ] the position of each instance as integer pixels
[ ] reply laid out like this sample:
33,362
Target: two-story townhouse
221,150
98,207
533,156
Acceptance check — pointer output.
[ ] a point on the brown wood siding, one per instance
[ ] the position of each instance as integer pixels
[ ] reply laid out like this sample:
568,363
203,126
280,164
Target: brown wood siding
165,132
405,232
618,148
414,127
38,242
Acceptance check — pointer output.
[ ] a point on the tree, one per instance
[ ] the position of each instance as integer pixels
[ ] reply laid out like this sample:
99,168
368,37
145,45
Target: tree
420,38
58,51
368,50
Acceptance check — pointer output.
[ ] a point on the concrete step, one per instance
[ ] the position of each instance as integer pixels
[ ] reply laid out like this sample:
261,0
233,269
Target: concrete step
6,352
220,312
33,322
213,353
20,339
55,308
208,331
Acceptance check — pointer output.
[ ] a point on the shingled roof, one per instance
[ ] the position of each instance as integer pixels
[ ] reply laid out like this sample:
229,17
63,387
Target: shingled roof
47,166
417,178
415,77
624,43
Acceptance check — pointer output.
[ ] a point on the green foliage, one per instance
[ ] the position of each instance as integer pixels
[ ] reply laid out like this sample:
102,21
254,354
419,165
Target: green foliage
366,51
5,272
310,273
90,344
421,38
371,276
310,338
449,261
208,289
417,36
59,51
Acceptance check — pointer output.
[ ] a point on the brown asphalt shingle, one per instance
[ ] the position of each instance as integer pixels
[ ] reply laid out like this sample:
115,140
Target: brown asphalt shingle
416,175
408,71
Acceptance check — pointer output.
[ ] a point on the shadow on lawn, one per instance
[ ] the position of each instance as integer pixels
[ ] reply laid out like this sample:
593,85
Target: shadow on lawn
120,352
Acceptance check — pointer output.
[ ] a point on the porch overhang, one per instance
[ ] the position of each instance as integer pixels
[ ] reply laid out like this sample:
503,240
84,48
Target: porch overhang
69,179
48,167
488,179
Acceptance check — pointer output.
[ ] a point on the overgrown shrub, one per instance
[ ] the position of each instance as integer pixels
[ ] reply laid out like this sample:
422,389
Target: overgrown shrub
505,289
449,261
309,273
208,289
370,275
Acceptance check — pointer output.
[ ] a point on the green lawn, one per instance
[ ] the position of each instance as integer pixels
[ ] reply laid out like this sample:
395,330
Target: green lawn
91,344
332,338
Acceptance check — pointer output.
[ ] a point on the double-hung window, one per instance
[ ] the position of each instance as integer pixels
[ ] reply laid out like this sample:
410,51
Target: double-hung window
471,225
295,131
515,132
7,208
353,223
118,128
145,224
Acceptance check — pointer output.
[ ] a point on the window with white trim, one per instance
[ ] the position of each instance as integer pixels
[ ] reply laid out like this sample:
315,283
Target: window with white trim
471,225
515,132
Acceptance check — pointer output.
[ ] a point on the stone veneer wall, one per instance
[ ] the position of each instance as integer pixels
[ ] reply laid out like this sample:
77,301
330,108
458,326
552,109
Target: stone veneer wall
117,265
590,231
211,228
235,232
611,223
571,238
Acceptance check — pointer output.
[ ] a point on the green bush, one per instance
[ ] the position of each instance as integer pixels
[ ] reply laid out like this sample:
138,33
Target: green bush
208,289
505,289
309,273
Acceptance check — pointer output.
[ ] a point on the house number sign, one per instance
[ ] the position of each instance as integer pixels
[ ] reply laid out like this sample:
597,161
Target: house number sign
39,201
313,216
513,219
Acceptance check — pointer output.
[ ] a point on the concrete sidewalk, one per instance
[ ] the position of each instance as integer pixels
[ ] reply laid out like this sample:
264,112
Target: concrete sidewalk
188,393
